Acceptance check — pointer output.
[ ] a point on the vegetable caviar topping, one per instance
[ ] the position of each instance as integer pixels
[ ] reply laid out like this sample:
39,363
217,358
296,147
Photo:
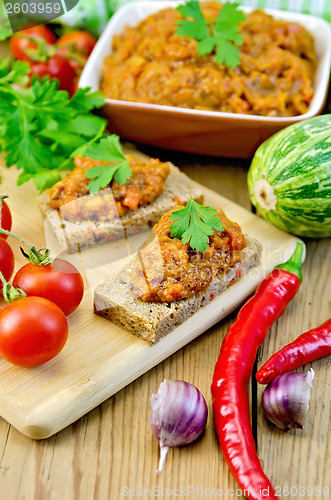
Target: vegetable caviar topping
145,183
233,371
168,269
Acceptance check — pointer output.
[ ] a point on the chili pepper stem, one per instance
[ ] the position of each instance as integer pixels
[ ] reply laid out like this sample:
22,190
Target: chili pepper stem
293,264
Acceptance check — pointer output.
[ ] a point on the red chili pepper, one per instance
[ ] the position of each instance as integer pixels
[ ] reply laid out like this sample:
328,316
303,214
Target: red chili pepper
234,368
309,346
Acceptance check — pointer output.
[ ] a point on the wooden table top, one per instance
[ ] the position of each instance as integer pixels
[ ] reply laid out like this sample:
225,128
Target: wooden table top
111,453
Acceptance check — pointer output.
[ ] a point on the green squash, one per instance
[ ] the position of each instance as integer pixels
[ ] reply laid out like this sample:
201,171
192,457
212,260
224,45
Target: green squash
289,179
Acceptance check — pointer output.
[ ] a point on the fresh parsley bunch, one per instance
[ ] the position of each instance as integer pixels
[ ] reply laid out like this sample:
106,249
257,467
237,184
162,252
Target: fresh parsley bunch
221,35
41,128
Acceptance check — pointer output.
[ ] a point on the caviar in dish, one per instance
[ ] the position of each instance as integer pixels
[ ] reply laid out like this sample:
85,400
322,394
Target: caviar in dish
151,64
147,181
166,269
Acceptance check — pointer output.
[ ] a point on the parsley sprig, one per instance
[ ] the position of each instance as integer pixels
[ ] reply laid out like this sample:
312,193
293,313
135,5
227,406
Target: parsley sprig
108,149
221,35
194,224
41,128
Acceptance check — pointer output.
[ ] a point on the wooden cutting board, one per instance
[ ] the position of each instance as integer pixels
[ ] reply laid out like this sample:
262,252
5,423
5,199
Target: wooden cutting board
100,358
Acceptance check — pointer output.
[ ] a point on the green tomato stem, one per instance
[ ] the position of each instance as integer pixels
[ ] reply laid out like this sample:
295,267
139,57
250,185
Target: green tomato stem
10,292
40,257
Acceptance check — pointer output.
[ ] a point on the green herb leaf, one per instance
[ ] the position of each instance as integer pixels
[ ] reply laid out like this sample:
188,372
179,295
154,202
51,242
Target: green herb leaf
221,35
42,180
85,100
13,72
5,33
107,149
193,224
42,129
196,29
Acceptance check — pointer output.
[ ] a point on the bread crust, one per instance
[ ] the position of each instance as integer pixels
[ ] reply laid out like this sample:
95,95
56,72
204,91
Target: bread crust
153,320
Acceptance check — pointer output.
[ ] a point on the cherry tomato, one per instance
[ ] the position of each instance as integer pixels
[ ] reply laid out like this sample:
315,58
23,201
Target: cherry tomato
80,42
33,330
56,67
7,261
59,282
5,219
77,62
74,87
19,45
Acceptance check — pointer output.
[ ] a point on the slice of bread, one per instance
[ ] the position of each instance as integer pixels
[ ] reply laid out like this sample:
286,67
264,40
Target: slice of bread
153,320
75,235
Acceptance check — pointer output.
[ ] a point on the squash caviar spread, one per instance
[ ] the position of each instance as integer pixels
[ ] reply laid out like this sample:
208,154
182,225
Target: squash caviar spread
151,64
147,181
166,269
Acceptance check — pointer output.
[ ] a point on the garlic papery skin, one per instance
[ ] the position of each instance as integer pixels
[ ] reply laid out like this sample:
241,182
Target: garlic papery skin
285,400
179,415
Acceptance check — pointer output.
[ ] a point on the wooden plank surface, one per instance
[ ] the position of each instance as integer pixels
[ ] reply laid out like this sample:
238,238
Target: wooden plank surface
112,447
100,358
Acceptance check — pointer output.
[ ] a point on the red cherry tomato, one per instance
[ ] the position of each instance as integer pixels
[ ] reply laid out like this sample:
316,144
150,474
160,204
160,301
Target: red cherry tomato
80,42
56,67
33,330
59,282
5,219
74,87
18,45
7,261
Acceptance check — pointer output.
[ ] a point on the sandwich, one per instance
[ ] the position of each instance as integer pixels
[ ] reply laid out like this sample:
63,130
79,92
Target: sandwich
80,218
192,256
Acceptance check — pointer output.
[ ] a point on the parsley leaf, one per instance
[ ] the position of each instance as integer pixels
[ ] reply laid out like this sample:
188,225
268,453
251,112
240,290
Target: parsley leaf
5,33
221,35
107,149
196,29
193,224
42,129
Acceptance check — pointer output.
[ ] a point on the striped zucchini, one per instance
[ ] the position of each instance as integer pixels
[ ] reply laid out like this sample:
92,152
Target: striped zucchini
289,179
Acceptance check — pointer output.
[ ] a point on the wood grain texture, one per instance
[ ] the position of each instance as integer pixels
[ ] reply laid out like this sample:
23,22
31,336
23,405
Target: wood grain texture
302,459
100,358
112,446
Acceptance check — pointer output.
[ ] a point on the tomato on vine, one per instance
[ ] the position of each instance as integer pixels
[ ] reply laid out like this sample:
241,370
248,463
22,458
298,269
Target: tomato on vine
57,66
80,42
22,43
7,261
54,279
33,330
6,219
58,281
63,58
